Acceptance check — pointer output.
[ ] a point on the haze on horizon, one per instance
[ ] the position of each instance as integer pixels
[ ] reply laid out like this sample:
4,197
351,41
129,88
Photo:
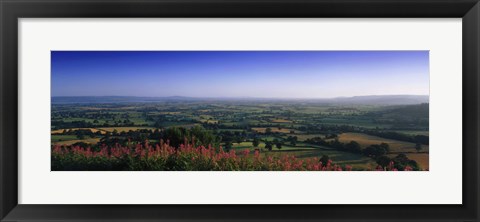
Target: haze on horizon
239,74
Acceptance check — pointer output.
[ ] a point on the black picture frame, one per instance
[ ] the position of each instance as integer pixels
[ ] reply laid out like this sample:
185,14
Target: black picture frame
11,10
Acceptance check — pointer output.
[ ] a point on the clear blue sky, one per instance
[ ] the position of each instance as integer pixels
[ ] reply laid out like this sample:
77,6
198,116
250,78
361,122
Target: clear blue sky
270,74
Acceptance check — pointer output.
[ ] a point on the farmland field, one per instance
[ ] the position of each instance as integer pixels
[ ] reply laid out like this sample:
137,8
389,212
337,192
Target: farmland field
364,140
304,129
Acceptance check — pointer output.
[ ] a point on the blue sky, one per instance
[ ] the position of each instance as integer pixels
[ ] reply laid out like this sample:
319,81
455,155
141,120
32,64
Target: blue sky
268,74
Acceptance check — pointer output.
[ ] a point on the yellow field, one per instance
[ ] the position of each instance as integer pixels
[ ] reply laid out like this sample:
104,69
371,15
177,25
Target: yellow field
280,121
169,113
303,137
366,140
94,130
339,157
421,158
70,142
274,130
125,129
106,129
207,119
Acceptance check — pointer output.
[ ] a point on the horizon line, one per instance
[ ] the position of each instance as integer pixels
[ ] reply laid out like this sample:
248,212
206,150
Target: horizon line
247,97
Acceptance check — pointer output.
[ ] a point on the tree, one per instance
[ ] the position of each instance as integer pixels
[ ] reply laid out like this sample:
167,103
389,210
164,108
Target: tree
331,136
80,134
255,142
278,145
337,144
293,140
324,160
353,147
385,146
383,161
268,130
401,161
238,139
268,145
228,146
174,135
422,139
374,151
418,147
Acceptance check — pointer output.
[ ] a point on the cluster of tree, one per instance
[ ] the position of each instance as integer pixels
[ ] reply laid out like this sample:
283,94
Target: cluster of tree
324,160
352,146
84,114
332,130
174,135
327,128
210,125
81,133
275,143
197,135
331,136
278,143
232,136
372,151
421,139
377,152
403,116
60,124
400,162
292,140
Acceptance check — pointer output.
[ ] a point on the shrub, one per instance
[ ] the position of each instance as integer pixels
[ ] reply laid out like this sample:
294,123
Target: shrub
187,157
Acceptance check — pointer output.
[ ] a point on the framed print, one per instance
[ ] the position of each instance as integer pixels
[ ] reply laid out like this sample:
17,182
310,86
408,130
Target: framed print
224,110
221,129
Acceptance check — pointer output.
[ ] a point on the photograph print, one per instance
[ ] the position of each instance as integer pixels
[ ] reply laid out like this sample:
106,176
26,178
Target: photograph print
240,111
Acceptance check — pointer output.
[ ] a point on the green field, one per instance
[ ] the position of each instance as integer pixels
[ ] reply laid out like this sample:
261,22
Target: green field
298,126
60,138
367,140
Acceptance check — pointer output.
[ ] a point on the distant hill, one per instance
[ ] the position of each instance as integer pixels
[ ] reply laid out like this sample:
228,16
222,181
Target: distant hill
356,100
384,100
115,99
404,116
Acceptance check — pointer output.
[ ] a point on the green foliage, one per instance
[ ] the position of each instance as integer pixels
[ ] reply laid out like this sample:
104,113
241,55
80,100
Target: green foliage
268,145
166,158
197,135
383,161
232,124
278,145
401,162
418,147
228,146
325,159
255,142
354,147
375,151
